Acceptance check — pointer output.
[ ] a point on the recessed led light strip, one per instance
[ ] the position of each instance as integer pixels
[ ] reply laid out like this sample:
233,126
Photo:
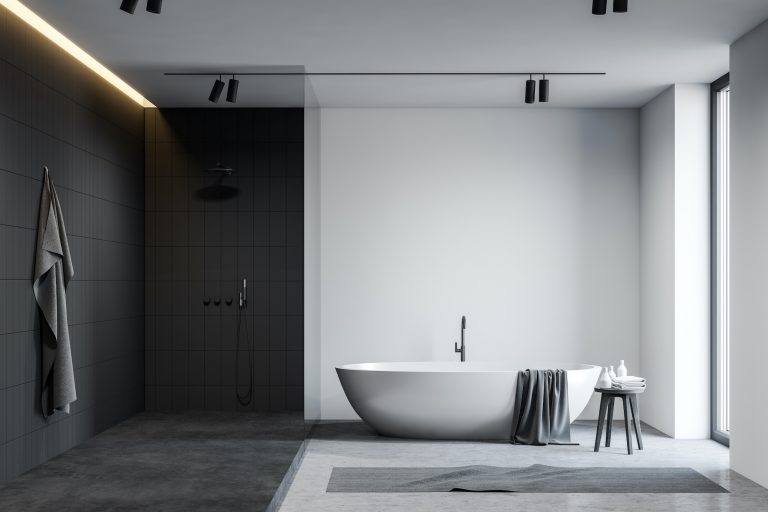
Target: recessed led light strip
59,39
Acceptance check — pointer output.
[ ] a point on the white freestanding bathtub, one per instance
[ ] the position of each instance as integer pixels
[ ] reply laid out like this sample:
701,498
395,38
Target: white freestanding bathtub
446,400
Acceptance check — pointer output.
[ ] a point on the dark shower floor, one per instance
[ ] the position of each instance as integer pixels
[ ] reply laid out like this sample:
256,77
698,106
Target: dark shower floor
201,461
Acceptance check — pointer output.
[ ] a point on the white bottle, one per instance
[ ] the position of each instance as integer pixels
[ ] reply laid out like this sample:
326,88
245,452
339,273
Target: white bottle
604,381
621,371
611,373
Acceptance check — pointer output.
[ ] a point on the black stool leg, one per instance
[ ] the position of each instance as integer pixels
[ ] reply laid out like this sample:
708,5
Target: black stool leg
601,418
636,420
627,425
609,422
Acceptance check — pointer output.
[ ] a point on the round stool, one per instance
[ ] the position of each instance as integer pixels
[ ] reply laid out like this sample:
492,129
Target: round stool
607,397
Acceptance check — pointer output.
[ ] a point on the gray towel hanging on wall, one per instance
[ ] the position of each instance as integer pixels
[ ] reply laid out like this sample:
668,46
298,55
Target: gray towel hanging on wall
53,272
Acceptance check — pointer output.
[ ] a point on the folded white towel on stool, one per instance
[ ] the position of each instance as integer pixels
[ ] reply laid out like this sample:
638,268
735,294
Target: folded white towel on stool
625,387
628,379
627,383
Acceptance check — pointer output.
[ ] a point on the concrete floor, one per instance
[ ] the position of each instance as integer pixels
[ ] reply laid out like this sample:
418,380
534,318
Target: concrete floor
201,461
354,444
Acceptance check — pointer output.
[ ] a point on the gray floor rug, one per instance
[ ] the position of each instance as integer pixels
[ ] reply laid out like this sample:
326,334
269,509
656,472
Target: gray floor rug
532,479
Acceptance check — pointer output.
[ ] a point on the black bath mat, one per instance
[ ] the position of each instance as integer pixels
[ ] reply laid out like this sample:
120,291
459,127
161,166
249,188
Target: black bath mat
532,479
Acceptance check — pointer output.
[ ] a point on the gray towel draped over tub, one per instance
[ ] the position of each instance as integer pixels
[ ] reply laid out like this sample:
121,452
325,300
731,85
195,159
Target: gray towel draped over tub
540,415
53,272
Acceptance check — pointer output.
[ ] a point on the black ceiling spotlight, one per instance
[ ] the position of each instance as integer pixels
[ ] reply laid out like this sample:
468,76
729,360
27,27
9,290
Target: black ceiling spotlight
232,89
620,5
128,6
154,6
543,89
218,86
599,7
530,90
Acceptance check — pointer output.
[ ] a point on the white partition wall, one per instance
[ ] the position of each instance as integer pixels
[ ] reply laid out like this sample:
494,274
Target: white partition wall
312,263
657,261
674,278
749,254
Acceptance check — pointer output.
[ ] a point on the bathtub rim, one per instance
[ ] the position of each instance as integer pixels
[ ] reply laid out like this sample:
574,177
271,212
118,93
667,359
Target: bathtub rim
454,367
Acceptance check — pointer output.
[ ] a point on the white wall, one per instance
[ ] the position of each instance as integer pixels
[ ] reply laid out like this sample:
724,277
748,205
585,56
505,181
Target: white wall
657,260
674,277
749,254
525,220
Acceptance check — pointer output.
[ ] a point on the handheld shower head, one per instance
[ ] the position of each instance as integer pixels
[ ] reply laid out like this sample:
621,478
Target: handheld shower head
244,294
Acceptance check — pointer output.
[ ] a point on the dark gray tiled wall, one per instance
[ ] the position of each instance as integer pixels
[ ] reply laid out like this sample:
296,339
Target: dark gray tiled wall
54,111
202,245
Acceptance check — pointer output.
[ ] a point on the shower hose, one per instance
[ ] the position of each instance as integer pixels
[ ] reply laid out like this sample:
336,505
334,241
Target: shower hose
246,398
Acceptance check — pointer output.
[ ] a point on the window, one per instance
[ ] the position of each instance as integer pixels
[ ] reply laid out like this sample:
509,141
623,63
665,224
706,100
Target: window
721,417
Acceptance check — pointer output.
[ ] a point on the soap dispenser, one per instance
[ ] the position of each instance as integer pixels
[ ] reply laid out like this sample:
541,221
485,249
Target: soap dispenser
604,381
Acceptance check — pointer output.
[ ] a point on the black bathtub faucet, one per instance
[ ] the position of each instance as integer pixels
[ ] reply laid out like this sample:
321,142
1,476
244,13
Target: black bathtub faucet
463,349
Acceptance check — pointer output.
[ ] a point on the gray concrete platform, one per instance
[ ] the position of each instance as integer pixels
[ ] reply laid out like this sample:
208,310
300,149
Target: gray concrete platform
202,461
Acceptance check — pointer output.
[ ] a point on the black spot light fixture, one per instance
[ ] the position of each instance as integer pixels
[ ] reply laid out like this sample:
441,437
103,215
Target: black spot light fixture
129,6
153,6
543,89
232,89
599,7
530,90
218,86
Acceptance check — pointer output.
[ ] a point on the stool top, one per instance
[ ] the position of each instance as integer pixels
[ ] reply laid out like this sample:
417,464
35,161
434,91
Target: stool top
612,391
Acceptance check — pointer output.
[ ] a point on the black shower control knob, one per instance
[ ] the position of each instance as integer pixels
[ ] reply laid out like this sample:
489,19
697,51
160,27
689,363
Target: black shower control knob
229,301
206,301
217,301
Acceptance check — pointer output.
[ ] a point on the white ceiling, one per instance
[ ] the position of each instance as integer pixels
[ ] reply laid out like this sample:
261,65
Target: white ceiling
657,43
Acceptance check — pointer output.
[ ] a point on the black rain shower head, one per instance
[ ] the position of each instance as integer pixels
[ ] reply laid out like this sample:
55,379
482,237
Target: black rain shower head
221,169
154,6
218,86
128,6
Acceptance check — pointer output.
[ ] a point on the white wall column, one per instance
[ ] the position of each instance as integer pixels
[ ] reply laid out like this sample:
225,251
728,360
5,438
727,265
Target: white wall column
674,326
749,254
